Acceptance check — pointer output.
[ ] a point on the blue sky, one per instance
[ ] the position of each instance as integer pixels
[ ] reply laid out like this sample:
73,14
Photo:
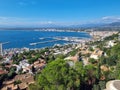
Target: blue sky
39,12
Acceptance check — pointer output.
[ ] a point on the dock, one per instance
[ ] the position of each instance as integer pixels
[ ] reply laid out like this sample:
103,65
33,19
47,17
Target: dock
32,44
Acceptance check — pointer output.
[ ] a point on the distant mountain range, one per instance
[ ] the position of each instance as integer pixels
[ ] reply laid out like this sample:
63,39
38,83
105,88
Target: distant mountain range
113,24
90,25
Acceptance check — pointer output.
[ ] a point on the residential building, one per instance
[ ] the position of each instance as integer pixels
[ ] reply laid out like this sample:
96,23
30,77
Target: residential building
96,54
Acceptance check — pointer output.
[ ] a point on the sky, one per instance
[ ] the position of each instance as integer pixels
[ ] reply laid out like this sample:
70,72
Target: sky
61,12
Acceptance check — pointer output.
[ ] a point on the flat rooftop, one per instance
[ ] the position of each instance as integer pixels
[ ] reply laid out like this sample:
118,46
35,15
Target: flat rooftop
116,84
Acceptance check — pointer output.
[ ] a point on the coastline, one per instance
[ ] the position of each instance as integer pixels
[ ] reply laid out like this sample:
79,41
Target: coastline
20,39
95,36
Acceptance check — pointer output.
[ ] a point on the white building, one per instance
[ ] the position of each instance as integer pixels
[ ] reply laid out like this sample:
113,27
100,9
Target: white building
24,64
111,43
94,56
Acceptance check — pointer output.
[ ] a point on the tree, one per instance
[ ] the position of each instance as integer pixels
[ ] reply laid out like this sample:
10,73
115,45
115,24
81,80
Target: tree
102,85
91,49
102,60
111,60
32,60
117,71
92,60
17,82
1,57
2,78
58,75
33,87
12,73
33,69
73,53
60,56
90,77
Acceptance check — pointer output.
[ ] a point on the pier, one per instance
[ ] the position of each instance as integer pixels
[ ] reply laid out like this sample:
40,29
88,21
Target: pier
43,42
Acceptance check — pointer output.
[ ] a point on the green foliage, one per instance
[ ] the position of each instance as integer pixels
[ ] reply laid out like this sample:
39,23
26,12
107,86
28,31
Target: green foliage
17,82
87,55
91,49
1,57
29,55
113,55
96,87
92,60
112,60
11,73
58,75
102,60
102,85
116,50
117,71
114,36
2,78
73,53
32,60
42,51
60,56
33,87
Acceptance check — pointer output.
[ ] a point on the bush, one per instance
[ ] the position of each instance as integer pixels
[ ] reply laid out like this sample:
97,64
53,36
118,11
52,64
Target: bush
17,82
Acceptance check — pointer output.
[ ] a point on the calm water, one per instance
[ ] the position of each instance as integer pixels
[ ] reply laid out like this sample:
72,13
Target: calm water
20,39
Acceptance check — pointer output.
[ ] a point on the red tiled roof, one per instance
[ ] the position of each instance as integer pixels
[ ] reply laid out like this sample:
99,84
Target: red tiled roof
22,86
2,72
75,58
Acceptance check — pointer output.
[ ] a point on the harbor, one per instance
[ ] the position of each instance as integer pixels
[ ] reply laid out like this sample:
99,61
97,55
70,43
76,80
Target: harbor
43,42
67,39
41,39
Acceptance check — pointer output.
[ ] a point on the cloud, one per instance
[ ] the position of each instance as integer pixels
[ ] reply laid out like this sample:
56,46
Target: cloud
3,18
111,18
25,3
26,21
22,3
16,21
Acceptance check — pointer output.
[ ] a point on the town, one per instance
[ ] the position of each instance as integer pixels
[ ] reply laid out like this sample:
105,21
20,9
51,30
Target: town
19,68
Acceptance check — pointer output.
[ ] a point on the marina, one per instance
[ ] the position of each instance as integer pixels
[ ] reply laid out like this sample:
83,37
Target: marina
32,39
43,42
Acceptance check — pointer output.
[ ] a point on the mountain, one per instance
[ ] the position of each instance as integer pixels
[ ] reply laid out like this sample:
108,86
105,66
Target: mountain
112,24
52,25
115,24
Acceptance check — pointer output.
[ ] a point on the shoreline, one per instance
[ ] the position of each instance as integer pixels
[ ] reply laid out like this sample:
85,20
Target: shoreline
95,36
41,38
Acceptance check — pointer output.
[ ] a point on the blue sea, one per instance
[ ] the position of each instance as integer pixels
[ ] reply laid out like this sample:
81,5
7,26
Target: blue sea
23,38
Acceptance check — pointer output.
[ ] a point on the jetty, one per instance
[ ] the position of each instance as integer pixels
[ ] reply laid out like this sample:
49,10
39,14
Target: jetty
32,44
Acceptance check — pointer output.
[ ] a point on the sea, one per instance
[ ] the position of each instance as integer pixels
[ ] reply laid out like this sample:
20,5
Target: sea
23,38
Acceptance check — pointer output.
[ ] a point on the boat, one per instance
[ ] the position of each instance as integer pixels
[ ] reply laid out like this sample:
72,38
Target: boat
32,43
41,38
